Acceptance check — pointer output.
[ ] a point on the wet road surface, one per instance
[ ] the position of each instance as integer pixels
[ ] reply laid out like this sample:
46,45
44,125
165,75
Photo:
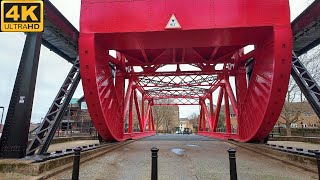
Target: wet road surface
184,157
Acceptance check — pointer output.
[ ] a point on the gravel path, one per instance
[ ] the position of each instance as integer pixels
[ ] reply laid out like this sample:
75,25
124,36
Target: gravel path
186,159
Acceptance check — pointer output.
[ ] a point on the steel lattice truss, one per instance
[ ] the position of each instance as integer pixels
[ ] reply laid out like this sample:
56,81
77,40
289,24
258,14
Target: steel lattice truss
177,101
199,80
181,90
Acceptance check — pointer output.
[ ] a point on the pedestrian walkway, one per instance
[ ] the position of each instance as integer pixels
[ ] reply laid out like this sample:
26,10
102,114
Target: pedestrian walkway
184,157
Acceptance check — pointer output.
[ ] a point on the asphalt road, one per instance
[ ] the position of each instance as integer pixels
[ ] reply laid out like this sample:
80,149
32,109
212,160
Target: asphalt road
184,157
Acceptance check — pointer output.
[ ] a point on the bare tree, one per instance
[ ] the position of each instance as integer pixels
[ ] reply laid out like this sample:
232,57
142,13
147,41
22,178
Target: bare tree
291,112
194,120
164,117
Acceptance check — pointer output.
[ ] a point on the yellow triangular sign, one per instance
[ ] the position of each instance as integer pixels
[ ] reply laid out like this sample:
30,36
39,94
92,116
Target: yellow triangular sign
173,23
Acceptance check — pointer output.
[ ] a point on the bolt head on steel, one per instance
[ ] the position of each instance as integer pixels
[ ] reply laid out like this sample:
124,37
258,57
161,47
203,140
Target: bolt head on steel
77,149
154,149
231,150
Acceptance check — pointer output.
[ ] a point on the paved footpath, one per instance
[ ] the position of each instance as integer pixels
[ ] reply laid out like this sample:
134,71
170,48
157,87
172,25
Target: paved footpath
184,157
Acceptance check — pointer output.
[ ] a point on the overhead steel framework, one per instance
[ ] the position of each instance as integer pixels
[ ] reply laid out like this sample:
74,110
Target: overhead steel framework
212,42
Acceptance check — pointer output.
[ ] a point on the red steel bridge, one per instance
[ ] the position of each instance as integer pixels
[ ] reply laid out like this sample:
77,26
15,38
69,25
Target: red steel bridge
209,35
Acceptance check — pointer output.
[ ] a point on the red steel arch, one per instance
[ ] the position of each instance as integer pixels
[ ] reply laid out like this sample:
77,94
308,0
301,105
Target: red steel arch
210,32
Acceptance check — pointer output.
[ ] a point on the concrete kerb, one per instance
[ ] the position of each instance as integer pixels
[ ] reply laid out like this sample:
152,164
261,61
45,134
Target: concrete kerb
303,162
314,140
52,167
68,139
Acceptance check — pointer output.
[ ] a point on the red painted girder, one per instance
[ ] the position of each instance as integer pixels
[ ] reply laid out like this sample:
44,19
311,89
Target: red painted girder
211,112
138,135
206,114
219,135
231,96
227,112
130,129
136,101
246,13
146,117
262,23
127,97
220,96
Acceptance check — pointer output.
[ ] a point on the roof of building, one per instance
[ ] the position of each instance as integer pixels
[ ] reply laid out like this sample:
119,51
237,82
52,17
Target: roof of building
74,101
302,106
183,119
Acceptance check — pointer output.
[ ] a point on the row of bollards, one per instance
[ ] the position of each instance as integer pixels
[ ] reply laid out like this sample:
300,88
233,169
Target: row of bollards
233,165
232,160
154,163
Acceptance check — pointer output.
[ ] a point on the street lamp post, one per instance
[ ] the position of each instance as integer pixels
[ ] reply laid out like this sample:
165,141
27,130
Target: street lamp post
302,128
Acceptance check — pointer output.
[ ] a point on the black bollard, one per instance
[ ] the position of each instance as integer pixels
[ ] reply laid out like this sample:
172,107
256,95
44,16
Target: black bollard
318,161
76,163
233,164
154,165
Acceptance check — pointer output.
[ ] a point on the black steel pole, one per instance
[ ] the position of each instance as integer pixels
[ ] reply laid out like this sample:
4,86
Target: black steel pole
76,163
2,113
318,162
154,165
233,164
14,139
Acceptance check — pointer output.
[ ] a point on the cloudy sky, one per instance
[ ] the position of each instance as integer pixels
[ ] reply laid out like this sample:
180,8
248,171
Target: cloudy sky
53,69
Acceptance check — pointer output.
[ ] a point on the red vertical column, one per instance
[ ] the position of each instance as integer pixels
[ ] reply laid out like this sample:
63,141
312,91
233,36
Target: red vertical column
151,113
204,124
227,112
216,118
200,120
130,130
138,110
211,112
150,120
241,91
142,114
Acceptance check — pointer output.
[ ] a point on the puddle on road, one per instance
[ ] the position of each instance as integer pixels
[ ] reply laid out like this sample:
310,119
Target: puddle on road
126,149
192,145
178,151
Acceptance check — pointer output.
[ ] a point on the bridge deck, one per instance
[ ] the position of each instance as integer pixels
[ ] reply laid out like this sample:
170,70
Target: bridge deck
184,157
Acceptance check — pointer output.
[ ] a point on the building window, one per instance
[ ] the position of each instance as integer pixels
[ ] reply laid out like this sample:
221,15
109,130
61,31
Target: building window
307,114
294,125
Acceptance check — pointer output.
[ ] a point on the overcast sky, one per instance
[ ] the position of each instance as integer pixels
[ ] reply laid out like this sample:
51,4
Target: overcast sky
53,69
